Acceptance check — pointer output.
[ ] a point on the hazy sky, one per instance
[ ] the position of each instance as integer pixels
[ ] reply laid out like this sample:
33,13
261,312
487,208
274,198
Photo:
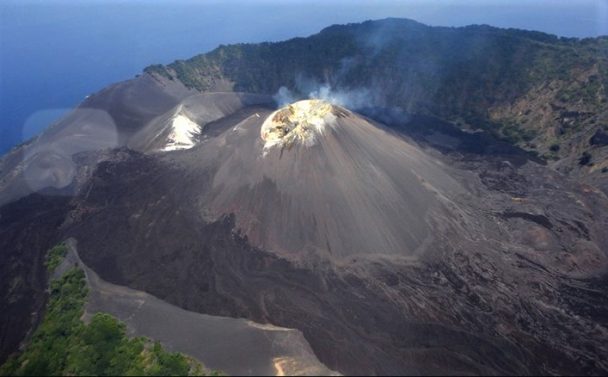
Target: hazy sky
53,53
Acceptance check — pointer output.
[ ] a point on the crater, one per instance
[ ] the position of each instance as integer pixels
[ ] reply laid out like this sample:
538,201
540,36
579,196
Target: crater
301,122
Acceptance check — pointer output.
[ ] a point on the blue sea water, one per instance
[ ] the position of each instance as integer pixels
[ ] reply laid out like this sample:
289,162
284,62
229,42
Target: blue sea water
54,53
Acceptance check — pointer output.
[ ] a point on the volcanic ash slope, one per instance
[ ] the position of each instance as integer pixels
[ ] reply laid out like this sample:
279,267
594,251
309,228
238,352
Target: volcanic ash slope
316,179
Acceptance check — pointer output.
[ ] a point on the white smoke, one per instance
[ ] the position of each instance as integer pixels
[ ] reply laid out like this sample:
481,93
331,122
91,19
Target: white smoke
351,99
284,97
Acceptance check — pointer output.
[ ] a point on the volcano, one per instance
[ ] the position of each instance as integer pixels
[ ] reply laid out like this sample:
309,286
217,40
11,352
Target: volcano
314,178
339,236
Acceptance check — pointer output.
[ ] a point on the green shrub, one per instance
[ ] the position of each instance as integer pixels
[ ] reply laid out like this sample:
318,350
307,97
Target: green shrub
64,345
55,256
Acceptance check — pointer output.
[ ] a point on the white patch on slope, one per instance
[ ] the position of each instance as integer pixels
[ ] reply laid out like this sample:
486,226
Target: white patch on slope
183,133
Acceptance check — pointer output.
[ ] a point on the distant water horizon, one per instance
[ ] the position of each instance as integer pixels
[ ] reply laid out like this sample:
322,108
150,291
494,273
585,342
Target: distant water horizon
53,54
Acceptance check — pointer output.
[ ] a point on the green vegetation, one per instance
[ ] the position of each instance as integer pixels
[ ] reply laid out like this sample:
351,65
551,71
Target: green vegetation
64,345
158,69
55,256
461,68
513,133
